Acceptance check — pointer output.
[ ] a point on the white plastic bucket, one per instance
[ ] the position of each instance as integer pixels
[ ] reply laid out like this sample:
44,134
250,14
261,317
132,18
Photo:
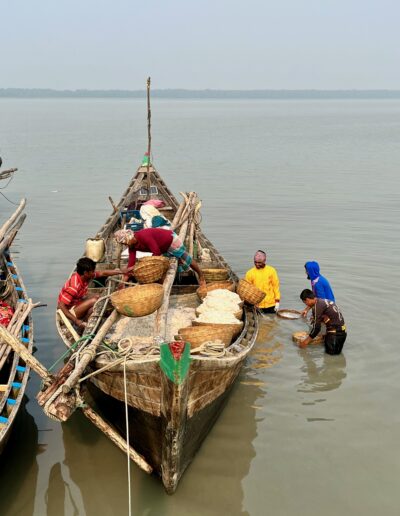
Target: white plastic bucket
95,249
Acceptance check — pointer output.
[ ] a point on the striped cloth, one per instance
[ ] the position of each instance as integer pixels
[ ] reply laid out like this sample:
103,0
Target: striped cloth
178,250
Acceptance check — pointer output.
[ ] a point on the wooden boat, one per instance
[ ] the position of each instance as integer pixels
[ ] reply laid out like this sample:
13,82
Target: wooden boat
14,372
163,405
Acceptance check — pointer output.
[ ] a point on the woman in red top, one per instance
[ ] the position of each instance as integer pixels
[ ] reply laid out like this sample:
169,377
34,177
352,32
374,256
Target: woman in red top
158,241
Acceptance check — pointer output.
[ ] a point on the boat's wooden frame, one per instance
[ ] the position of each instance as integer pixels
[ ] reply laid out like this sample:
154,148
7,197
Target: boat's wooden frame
14,369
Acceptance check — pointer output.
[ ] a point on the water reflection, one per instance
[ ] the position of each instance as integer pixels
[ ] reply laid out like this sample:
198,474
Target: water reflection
211,484
19,467
268,349
322,372
58,492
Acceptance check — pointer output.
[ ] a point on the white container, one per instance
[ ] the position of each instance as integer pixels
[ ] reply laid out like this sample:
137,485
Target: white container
94,249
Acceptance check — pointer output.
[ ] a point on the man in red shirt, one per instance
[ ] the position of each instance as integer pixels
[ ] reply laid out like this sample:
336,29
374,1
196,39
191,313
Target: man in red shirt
73,300
158,241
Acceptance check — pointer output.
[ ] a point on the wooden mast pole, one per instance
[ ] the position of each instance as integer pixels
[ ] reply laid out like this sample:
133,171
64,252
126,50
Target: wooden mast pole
148,137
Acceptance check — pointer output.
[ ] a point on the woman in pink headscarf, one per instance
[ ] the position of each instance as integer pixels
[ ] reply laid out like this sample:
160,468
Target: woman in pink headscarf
265,278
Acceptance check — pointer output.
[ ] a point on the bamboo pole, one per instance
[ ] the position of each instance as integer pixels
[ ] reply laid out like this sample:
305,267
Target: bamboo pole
26,356
14,330
161,318
9,222
88,354
148,137
19,308
112,204
9,237
114,436
68,324
179,211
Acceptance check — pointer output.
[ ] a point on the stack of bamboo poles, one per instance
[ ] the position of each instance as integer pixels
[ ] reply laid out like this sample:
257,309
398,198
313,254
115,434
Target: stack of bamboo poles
10,228
184,218
14,327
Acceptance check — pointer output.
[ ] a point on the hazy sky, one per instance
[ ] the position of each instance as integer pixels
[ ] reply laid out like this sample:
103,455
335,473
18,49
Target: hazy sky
196,44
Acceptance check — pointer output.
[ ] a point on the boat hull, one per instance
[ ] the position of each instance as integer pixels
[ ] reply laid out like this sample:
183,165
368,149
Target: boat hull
147,432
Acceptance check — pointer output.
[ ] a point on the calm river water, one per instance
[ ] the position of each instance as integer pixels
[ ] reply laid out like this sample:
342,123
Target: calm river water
303,434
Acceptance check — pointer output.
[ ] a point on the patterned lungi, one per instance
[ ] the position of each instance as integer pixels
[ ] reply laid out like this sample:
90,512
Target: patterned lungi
178,250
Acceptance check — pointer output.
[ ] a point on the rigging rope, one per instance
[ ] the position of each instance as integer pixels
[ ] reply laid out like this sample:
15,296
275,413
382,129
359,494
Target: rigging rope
127,440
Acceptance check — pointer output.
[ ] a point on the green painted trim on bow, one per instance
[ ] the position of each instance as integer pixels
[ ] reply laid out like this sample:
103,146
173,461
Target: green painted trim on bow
175,370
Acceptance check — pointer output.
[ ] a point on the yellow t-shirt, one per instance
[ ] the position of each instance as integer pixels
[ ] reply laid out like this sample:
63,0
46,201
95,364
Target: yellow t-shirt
267,280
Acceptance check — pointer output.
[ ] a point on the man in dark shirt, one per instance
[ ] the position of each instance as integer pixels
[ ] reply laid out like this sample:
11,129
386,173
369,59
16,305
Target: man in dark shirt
325,311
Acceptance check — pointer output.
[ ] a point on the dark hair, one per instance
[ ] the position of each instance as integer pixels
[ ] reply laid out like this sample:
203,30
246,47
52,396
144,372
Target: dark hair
85,265
307,294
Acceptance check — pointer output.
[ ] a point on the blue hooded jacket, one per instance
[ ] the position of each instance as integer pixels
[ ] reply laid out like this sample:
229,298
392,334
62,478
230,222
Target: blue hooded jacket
320,285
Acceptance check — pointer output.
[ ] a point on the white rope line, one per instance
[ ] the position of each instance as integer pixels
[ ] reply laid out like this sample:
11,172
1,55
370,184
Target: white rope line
127,441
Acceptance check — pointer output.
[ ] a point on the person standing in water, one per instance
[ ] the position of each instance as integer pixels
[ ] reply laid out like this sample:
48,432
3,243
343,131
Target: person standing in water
265,278
319,284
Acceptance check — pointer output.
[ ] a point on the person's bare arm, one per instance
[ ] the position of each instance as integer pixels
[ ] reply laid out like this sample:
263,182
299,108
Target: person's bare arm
114,272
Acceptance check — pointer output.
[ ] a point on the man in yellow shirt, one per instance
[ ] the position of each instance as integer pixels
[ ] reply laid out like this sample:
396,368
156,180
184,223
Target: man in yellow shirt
265,278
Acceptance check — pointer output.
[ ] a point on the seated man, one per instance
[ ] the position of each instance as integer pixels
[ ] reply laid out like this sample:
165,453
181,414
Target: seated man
158,241
325,311
73,300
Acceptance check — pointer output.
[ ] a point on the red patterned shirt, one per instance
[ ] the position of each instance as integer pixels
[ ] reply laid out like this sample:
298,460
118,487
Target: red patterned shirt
74,290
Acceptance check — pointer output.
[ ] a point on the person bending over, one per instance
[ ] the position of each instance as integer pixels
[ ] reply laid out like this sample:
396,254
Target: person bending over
325,311
158,241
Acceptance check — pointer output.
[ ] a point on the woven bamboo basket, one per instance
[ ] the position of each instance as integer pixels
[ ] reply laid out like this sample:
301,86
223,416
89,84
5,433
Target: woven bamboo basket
250,293
235,328
150,269
211,275
197,335
139,300
238,314
203,291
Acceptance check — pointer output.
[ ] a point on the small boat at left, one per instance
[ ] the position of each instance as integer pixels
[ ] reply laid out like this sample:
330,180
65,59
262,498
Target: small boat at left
15,322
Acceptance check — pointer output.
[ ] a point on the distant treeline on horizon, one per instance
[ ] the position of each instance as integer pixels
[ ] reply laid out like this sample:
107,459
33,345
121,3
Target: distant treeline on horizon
201,94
